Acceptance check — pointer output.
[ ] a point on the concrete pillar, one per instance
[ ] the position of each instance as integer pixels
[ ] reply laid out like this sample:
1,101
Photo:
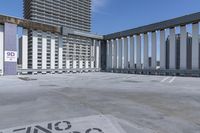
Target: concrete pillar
52,51
67,63
120,54
97,54
162,50
125,53
183,48
80,63
138,60
132,49
110,54
35,50
195,46
74,62
93,54
153,51
115,54
172,49
1,49
24,49
60,53
44,50
10,47
86,64
146,51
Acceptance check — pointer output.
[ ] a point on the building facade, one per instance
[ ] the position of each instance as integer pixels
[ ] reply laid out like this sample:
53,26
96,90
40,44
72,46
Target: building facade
60,52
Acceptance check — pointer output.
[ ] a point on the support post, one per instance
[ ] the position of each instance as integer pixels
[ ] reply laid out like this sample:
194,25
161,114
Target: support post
183,48
138,61
172,50
162,50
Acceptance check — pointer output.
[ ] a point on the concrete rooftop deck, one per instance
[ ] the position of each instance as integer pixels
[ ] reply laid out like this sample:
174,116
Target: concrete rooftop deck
140,104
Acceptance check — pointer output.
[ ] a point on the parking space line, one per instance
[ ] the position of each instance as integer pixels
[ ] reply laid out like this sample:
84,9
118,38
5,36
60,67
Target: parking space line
172,80
166,78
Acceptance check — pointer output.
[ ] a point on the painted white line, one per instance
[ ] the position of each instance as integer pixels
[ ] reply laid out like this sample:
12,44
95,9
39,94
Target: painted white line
172,80
164,79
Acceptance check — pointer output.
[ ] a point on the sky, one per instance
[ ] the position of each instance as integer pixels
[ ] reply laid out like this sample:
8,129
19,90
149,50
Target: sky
110,16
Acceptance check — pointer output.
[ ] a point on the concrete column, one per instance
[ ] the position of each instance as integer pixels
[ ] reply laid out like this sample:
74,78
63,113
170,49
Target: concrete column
110,54
93,54
1,49
67,63
138,60
107,55
125,53
60,54
44,50
132,49
146,51
80,63
74,62
172,49
97,53
24,49
162,50
115,54
183,48
153,51
195,46
52,51
120,54
10,47
35,50
86,64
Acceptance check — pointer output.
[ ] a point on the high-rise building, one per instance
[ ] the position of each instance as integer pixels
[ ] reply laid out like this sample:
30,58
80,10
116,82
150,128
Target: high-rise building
71,14
74,14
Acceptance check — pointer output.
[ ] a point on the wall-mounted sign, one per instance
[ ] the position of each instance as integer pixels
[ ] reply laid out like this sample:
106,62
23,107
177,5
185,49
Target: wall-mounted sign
10,56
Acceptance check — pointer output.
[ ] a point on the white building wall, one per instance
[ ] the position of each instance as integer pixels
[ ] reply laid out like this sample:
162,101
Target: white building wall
1,49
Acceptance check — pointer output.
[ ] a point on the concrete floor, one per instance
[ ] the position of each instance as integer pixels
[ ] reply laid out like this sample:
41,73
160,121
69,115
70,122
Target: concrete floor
140,104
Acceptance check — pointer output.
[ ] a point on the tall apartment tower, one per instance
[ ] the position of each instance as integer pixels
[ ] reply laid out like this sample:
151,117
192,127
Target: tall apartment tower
72,14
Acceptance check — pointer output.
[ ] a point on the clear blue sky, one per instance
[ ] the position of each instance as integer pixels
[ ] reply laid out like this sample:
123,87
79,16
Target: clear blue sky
115,15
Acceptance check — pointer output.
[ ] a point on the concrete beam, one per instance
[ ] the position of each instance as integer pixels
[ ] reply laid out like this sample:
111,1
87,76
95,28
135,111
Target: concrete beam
187,19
